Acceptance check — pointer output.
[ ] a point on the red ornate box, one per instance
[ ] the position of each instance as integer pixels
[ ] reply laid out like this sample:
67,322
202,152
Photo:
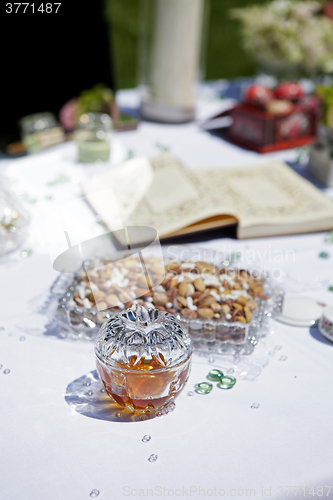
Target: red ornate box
262,131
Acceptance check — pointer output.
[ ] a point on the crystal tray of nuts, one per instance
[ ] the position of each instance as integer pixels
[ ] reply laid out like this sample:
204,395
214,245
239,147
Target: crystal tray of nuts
218,306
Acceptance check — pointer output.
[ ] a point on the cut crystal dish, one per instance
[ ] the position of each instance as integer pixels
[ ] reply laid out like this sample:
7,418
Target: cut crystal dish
219,307
143,358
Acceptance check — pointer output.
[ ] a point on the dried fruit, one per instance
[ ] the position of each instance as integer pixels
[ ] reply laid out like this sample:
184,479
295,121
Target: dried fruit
248,314
240,319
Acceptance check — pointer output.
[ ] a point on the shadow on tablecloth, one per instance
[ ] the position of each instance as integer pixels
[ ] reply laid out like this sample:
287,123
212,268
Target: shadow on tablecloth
86,395
315,333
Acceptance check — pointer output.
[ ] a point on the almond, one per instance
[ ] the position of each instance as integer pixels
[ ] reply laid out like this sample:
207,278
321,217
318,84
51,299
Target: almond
160,299
225,309
251,304
182,288
112,299
206,301
143,292
199,285
242,300
145,281
205,312
182,301
170,283
204,267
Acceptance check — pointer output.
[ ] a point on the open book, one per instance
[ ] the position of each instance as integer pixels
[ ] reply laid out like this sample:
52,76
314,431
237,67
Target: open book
263,200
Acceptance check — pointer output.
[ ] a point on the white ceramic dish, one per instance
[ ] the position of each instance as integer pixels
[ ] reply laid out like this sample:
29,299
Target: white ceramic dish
300,311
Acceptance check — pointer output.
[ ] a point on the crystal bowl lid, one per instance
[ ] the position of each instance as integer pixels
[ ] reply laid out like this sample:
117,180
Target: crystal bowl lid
143,337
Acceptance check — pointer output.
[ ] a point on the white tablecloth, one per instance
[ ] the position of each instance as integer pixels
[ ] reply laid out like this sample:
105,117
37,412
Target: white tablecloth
212,445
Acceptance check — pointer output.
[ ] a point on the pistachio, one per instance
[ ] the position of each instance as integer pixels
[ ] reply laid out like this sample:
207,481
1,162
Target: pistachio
189,314
170,283
206,301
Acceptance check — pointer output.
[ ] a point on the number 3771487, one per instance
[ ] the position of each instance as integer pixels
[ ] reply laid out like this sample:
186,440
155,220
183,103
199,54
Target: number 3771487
23,8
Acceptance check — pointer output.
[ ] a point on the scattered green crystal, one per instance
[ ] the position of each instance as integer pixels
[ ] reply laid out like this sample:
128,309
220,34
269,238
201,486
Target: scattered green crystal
330,288
203,388
26,253
226,382
215,375
324,255
59,179
329,237
225,262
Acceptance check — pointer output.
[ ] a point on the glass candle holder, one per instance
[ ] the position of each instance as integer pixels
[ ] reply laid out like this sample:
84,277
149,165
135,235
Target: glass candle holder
13,220
40,131
143,358
93,137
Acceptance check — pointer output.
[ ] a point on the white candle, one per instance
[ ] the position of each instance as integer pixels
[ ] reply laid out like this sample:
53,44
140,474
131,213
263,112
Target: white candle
175,59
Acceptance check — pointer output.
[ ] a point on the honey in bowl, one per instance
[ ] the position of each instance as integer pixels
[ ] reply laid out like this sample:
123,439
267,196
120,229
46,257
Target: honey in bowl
143,359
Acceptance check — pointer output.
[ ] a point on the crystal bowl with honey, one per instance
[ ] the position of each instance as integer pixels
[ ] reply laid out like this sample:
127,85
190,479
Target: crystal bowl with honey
143,358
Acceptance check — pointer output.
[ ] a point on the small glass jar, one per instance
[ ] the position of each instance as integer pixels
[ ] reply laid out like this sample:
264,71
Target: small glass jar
143,358
40,131
93,137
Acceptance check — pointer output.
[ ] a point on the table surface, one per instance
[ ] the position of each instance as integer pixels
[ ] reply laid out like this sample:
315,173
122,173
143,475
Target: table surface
59,439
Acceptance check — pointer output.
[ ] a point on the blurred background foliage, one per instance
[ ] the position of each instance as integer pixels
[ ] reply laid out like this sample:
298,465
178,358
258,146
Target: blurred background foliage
225,57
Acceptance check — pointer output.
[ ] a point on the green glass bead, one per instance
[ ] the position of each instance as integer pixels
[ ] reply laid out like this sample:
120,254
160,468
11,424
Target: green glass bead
330,288
324,255
203,388
329,237
215,375
226,382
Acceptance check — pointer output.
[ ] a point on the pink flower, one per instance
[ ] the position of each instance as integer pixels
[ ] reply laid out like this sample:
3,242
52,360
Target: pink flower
68,114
